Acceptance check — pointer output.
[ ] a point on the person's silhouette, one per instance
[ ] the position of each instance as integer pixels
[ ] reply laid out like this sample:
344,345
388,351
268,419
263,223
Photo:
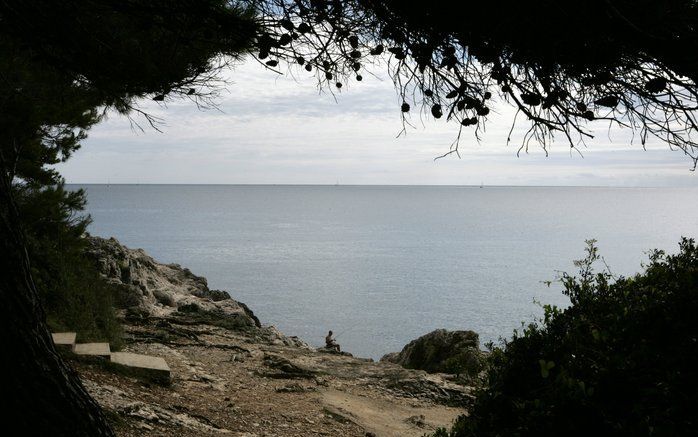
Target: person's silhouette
331,343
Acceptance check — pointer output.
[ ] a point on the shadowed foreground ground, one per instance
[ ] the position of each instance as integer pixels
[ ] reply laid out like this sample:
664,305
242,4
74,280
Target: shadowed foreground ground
257,382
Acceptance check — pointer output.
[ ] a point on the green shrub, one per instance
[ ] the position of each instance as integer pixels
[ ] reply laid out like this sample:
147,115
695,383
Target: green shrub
467,364
80,300
74,295
622,359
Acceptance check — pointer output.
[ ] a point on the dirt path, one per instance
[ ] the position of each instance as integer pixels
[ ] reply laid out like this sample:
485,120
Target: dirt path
254,385
388,418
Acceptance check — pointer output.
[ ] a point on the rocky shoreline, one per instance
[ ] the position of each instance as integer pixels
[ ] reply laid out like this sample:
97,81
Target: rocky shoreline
233,375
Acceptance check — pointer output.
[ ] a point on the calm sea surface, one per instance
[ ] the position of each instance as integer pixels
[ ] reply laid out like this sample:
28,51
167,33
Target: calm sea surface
382,265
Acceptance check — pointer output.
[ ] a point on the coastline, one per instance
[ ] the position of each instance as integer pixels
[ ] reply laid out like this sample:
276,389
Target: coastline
232,374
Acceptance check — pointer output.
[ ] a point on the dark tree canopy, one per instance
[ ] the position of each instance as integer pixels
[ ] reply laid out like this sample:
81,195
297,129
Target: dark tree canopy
62,65
65,63
561,64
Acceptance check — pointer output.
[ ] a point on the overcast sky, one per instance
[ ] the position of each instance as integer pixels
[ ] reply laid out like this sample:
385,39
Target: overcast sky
277,130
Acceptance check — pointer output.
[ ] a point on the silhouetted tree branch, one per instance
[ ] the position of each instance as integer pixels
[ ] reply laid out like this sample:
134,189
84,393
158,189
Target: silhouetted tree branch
562,65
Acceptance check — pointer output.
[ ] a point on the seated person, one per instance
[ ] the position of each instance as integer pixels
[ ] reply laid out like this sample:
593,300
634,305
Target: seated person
331,343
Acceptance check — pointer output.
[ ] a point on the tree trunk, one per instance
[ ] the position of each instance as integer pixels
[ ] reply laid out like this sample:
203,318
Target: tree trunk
41,394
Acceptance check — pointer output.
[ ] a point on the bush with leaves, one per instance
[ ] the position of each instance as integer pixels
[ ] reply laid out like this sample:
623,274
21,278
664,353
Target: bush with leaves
74,295
622,359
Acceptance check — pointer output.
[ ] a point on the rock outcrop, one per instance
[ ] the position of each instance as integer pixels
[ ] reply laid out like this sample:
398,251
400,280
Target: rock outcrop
230,375
441,351
152,289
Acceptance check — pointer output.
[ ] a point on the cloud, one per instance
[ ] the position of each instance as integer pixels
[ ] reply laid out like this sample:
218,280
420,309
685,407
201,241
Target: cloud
278,129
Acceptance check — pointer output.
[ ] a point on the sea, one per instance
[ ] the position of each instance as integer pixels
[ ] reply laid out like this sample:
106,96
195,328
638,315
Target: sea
382,265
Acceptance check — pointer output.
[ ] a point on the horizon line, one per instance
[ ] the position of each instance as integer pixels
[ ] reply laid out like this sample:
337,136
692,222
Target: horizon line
370,185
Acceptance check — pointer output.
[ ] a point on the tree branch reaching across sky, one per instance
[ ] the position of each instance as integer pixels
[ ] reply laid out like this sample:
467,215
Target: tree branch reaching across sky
563,65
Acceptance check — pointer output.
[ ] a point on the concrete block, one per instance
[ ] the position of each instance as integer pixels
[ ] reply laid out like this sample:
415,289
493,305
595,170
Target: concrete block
93,349
64,340
144,366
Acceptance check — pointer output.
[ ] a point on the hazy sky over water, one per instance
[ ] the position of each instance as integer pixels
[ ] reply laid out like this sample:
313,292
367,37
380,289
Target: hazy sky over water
274,130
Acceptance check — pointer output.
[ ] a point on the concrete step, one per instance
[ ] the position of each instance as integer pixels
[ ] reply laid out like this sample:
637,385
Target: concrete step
64,340
93,349
144,366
